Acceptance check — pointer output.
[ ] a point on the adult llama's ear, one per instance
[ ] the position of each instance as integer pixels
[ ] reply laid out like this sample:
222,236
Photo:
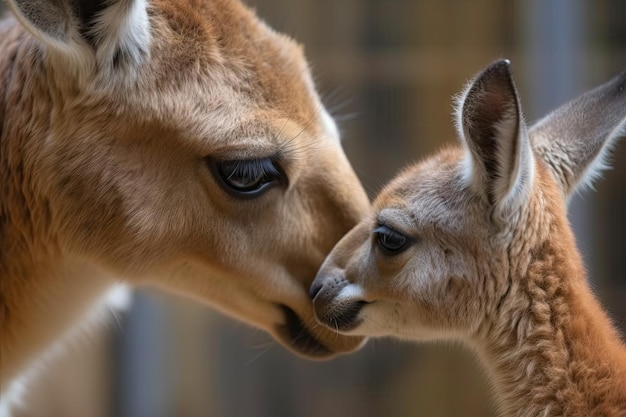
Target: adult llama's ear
575,138
110,33
499,159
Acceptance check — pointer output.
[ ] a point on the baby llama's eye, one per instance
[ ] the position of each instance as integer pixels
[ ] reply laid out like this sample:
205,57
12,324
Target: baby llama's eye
391,241
246,178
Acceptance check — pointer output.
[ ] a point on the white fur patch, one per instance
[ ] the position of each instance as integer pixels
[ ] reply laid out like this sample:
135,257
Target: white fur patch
515,166
121,33
330,127
124,26
351,292
599,164
518,164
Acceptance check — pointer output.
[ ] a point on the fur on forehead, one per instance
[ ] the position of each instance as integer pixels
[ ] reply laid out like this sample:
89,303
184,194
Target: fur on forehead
431,190
204,53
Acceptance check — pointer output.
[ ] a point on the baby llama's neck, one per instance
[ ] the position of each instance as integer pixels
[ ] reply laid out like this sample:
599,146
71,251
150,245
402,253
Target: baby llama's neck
551,350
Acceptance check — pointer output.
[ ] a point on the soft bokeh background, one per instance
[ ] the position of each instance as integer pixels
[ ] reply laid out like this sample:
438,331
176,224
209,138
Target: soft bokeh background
387,70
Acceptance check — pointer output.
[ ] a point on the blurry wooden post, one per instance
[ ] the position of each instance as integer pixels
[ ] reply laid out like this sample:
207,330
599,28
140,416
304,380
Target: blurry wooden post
142,384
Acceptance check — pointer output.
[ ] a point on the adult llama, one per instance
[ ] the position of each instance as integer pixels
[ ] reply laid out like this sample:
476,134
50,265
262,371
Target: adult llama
174,143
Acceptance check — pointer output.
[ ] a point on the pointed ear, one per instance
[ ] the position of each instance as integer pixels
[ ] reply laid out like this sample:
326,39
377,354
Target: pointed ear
114,29
490,124
56,22
574,139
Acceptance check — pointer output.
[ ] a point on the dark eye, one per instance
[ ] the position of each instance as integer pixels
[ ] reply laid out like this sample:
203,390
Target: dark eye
246,178
391,241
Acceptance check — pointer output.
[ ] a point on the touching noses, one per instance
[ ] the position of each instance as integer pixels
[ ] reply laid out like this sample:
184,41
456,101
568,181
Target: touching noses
326,286
336,302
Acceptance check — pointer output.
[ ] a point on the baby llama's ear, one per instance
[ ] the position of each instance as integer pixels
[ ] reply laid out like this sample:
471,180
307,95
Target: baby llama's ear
110,33
574,139
499,160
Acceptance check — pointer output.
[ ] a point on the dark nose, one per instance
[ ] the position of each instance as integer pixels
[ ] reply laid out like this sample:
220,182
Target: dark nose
329,279
327,284
334,313
315,287
325,288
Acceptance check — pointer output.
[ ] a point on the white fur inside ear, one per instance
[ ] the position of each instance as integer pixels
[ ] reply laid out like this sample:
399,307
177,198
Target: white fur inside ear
516,165
512,182
122,33
600,163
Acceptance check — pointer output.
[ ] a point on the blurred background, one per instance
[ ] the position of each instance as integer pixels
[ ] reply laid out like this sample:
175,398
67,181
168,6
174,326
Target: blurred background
387,70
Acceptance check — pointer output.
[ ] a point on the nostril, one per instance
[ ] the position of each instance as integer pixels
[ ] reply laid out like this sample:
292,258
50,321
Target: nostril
315,289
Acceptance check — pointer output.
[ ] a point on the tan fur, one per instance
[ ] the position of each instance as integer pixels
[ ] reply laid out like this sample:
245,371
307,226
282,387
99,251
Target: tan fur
500,273
103,177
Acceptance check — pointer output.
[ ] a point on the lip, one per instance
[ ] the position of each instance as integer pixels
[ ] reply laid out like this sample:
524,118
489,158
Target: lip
344,319
294,334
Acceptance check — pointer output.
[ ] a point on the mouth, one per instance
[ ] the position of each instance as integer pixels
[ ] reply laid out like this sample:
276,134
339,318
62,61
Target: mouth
342,319
296,336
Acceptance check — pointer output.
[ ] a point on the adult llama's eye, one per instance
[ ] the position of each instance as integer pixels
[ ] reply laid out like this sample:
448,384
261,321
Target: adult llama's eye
246,178
391,241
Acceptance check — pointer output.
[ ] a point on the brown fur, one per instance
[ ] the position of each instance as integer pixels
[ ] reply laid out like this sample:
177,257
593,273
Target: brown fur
103,176
492,261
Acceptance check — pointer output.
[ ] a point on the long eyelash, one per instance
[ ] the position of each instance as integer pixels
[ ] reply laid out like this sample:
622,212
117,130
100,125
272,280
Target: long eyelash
254,168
